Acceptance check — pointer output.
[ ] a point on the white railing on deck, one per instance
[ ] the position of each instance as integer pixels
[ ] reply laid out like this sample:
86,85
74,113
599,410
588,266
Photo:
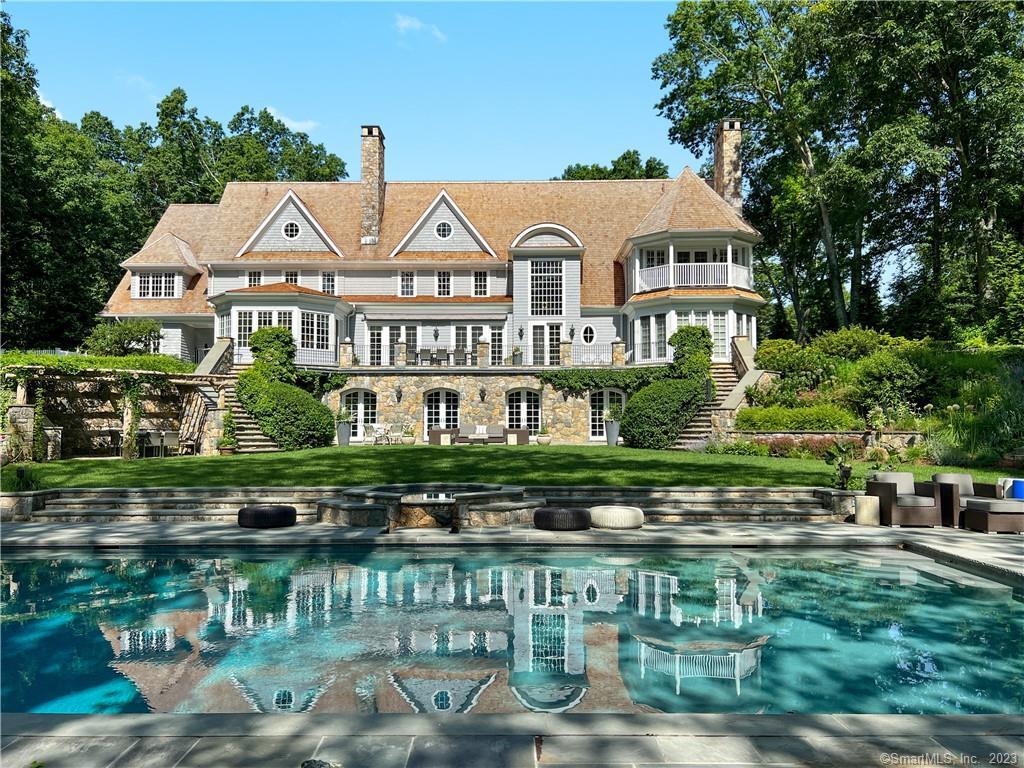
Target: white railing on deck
694,276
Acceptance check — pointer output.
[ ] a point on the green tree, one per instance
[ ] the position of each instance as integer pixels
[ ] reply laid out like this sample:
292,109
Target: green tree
628,165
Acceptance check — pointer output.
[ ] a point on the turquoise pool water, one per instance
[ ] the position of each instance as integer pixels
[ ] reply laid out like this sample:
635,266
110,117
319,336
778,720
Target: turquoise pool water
744,631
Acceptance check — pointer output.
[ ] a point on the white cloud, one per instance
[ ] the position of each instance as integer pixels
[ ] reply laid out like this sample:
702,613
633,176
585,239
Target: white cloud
47,103
302,126
410,24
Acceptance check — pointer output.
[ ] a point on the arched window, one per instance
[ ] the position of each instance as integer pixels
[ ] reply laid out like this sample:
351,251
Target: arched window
362,404
440,409
602,400
523,410
442,701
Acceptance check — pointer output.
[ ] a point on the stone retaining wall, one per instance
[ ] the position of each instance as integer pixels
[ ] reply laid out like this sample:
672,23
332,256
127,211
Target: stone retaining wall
898,440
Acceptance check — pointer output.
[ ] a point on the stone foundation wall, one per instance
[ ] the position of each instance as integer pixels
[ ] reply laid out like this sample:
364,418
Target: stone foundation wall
567,417
899,440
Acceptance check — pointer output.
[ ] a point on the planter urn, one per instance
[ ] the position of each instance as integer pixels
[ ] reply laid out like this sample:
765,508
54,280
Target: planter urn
517,358
344,431
408,439
543,439
227,450
611,432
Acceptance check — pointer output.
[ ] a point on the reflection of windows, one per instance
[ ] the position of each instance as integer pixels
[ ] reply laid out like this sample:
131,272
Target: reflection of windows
547,642
442,699
590,594
284,700
478,646
443,646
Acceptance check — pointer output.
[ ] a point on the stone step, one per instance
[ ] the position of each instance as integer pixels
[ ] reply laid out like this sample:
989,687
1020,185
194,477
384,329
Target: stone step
725,514
260,449
313,492
351,513
194,515
701,504
180,502
655,497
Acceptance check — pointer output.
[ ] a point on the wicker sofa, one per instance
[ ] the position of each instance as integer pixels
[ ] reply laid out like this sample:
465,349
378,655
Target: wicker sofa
465,435
956,490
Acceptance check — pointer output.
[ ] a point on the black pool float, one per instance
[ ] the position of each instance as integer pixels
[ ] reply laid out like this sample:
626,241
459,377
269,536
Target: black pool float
267,516
561,519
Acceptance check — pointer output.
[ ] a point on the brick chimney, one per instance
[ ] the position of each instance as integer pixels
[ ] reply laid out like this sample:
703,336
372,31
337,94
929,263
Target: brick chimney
371,196
728,173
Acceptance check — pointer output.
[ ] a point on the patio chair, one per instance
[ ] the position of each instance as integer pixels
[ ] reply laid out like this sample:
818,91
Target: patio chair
901,501
994,515
382,434
955,490
410,356
426,357
459,356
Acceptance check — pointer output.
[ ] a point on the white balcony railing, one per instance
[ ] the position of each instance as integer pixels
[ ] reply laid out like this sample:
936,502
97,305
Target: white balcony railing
694,276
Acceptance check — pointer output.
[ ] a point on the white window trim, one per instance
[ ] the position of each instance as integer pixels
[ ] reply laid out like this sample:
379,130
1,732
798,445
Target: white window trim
414,287
437,283
289,196
451,232
466,223
529,287
334,280
285,234
487,288
583,334
250,272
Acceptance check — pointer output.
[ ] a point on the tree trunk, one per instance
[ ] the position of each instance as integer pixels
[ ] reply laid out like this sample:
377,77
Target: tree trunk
857,270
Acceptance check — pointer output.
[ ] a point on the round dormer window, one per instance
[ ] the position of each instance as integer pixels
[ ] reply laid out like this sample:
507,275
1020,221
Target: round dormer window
290,230
442,701
443,230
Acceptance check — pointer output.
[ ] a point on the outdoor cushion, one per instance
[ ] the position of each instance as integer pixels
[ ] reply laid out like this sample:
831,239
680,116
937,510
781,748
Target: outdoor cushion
466,430
908,500
616,516
966,482
904,481
267,516
561,519
965,499
1010,506
495,430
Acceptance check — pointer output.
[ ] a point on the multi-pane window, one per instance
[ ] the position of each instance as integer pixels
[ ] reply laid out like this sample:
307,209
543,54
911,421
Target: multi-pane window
327,282
444,284
394,337
323,331
546,287
264,319
411,338
718,334
407,284
291,230
660,338
225,325
315,330
441,409
291,277
645,338
497,344
601,401
654,257
554,344
284,699
523,410
362,405
480,283
244,329
376,344
307,328
284,319
254,279
156,285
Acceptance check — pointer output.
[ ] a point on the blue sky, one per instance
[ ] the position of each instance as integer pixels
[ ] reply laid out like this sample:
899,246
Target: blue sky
462,91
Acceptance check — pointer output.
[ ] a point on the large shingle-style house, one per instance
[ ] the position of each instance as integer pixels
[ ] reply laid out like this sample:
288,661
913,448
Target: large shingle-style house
401,278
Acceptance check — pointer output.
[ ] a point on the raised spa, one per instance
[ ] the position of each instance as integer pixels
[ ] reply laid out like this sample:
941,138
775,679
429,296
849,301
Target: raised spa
448,505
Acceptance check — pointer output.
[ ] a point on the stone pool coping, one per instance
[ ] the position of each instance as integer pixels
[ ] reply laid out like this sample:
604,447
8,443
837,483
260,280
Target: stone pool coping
997,556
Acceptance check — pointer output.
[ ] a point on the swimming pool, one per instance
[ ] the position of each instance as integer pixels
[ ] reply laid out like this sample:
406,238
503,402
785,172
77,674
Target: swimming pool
456,632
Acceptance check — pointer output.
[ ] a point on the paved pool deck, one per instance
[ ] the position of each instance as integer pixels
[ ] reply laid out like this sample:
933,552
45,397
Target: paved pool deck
519,740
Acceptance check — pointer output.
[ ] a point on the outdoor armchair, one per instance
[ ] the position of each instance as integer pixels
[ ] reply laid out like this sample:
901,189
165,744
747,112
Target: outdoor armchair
902,501
955,490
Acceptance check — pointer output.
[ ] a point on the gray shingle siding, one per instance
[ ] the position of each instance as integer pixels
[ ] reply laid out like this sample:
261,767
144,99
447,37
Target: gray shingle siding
273,239
426,240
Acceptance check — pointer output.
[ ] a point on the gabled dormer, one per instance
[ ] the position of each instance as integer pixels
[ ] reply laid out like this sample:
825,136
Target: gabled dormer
442,228
289,227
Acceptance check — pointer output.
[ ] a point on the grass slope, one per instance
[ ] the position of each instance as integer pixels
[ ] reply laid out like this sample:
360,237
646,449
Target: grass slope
534,465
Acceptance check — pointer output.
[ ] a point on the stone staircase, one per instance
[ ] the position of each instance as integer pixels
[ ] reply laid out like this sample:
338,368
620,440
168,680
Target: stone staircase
250,438
695,435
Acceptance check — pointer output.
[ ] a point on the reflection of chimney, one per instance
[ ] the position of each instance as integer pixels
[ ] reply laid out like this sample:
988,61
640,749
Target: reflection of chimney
728,173
371,197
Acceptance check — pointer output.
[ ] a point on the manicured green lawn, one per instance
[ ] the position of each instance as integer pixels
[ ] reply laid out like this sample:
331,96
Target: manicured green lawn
534,465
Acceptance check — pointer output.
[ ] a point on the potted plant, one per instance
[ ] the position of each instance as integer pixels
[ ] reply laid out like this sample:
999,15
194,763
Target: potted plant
840,456
517,356
228,442
543,435
343,425
612,420
408,435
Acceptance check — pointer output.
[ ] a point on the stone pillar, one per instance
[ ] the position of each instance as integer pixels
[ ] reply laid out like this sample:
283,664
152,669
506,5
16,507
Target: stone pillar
213,431
399,352
483,354
126,425
21,422
346,353
221,397
618,353
565,353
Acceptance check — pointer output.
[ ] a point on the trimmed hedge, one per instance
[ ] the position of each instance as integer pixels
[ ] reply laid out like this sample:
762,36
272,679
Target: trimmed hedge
812,418
72,364
273,351
290,416
125,337
656,414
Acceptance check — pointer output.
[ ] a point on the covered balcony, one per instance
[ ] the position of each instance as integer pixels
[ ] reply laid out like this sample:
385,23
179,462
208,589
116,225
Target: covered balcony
694,276
689,264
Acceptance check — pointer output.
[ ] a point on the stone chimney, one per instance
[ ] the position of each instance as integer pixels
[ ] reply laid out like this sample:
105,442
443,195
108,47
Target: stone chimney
728,173
371,196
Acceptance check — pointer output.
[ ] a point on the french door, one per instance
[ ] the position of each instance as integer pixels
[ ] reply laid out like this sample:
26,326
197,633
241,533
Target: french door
362,404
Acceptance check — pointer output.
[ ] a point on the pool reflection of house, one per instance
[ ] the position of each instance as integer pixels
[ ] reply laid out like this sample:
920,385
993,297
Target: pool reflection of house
429,637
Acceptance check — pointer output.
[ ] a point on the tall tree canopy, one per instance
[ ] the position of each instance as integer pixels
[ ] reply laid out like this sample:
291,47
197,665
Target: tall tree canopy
77,200
628,165
882,138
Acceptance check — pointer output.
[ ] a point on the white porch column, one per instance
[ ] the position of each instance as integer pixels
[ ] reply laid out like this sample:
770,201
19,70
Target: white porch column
671,262
636,270
753,331
730,331
728,265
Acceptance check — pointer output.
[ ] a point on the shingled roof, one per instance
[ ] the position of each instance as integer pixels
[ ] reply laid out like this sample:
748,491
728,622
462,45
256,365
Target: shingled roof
166,250
688,205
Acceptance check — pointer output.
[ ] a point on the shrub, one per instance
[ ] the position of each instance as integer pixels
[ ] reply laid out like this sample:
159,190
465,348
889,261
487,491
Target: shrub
72,364
814,418
273,352
738,448
851,343
656,414
885,379
228,438
802,368
125,337
291,417
691,356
